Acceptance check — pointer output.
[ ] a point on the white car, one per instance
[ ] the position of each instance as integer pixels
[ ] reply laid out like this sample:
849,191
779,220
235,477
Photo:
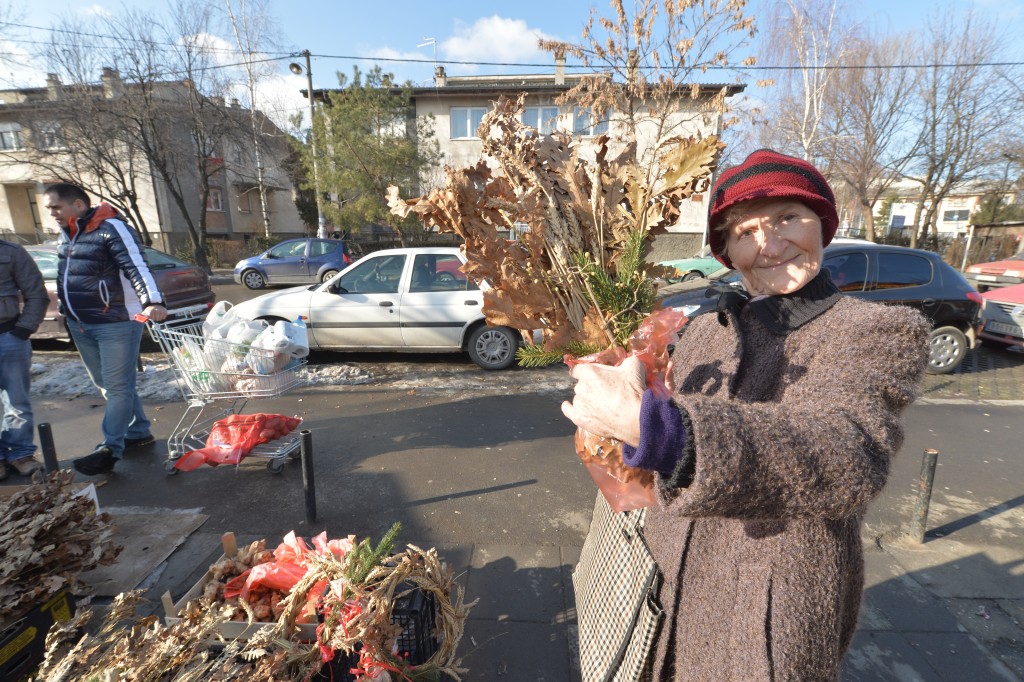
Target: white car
415,300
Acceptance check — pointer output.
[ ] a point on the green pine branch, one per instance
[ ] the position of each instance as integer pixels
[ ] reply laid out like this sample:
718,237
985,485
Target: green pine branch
363,558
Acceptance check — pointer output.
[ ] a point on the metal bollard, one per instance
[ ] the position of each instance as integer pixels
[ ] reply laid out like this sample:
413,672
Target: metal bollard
49,450
924,493
308,484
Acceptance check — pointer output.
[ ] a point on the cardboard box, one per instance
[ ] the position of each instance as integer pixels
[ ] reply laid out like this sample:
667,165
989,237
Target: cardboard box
231,629
23,640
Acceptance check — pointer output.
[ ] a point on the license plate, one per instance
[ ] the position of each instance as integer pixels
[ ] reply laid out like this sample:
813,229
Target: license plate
1003,328
987,278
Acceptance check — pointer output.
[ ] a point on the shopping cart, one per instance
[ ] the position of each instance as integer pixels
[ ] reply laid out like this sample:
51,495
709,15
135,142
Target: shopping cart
210,370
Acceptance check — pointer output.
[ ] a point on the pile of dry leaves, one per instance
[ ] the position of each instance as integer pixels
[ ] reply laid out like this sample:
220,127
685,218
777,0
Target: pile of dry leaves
578,272
48,536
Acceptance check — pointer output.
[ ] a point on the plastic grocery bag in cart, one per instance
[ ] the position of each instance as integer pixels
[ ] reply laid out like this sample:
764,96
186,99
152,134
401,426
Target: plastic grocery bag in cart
275,347
623,486
234,437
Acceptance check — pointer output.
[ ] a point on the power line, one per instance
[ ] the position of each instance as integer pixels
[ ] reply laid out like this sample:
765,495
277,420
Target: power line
119,38
458,62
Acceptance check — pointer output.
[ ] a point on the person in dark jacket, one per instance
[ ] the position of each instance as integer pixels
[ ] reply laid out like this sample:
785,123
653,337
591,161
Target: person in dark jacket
23,303
785,413
103,281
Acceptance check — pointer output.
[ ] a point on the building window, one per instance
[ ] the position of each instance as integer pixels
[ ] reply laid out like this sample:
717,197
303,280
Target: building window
48,136
960,216
10,136
215,201
465,121
584,125
242,202
543,119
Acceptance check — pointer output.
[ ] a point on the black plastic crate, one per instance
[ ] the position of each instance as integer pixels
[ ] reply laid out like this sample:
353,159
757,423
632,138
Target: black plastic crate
22,640
416,612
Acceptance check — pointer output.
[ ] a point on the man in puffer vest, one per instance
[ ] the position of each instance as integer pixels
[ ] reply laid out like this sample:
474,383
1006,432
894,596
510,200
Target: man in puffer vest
103,281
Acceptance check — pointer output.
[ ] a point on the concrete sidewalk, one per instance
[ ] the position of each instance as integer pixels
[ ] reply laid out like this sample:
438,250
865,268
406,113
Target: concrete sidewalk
490,480
916,624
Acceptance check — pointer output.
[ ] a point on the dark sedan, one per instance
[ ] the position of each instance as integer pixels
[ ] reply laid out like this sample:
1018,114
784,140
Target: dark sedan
893,275
181,284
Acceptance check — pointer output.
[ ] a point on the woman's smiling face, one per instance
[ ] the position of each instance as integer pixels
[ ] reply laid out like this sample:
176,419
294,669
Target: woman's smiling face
776,246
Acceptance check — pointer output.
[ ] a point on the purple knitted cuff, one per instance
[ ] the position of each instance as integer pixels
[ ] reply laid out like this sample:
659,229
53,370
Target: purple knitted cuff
662,436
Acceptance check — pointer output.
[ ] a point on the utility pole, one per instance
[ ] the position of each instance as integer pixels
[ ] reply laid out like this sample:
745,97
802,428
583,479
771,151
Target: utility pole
321,230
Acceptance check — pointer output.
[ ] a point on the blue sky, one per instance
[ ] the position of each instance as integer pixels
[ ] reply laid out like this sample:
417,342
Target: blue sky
465,31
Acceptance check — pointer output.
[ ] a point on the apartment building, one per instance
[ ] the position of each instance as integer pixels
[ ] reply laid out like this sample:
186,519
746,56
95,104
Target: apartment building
458,104
34,151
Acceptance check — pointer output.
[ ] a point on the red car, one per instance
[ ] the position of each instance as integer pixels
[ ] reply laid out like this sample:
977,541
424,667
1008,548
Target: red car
180,283
1002,318
1000,273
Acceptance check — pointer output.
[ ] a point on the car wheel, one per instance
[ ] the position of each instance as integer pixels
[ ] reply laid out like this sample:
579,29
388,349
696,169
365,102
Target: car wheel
328,275
445,277
253,280
493,347
948,346
692,275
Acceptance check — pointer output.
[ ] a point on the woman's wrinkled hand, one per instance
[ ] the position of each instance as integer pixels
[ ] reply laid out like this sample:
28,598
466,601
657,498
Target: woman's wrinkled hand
607,400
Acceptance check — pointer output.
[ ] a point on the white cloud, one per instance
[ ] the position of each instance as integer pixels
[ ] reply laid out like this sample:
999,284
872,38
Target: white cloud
96,10
496,39
19,68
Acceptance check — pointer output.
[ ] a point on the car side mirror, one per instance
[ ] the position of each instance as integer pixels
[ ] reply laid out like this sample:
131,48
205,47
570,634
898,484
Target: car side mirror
336,289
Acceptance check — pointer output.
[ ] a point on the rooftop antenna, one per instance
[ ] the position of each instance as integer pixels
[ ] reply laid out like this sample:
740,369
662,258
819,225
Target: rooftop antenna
430,41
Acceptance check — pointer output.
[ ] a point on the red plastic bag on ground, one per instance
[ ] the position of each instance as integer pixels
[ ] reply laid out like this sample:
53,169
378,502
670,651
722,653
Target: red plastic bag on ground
234,437
623,486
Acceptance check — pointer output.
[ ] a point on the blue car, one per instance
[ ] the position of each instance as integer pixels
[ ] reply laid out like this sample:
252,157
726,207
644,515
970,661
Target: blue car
295,261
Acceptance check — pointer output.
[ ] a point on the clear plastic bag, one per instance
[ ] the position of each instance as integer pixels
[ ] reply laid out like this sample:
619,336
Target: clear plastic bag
625,487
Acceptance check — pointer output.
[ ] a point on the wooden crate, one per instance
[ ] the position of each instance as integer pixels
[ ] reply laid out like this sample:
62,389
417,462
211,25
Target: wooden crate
230,629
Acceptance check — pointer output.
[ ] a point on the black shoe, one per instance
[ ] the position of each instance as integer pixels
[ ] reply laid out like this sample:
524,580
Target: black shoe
4,471
130,443
99,462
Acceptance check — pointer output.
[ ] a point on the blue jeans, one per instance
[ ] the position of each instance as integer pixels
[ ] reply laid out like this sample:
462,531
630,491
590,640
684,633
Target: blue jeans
15,362
110,352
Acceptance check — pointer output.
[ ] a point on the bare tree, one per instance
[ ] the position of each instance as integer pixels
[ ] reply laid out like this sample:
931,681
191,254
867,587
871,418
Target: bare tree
161,115
964,106
650,59
812,36
251,26
81,138
871,133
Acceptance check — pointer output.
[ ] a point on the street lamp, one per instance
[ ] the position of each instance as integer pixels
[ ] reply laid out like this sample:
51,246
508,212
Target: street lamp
321,230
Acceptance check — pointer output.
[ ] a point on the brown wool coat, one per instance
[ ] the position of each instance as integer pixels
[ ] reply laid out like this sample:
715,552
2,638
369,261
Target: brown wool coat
793,430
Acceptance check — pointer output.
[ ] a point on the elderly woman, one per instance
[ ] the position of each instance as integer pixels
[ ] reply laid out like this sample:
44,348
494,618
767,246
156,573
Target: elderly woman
784,416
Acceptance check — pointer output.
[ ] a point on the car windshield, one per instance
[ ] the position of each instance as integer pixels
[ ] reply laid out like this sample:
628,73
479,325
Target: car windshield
158,260
47,263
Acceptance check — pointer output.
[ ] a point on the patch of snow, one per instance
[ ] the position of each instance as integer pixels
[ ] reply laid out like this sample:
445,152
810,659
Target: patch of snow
62,376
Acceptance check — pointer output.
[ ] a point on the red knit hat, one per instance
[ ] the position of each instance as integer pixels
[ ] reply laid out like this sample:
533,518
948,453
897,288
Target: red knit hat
768,174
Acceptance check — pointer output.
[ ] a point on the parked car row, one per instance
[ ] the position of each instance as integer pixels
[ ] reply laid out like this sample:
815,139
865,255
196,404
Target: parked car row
419,300
181,284
892,275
